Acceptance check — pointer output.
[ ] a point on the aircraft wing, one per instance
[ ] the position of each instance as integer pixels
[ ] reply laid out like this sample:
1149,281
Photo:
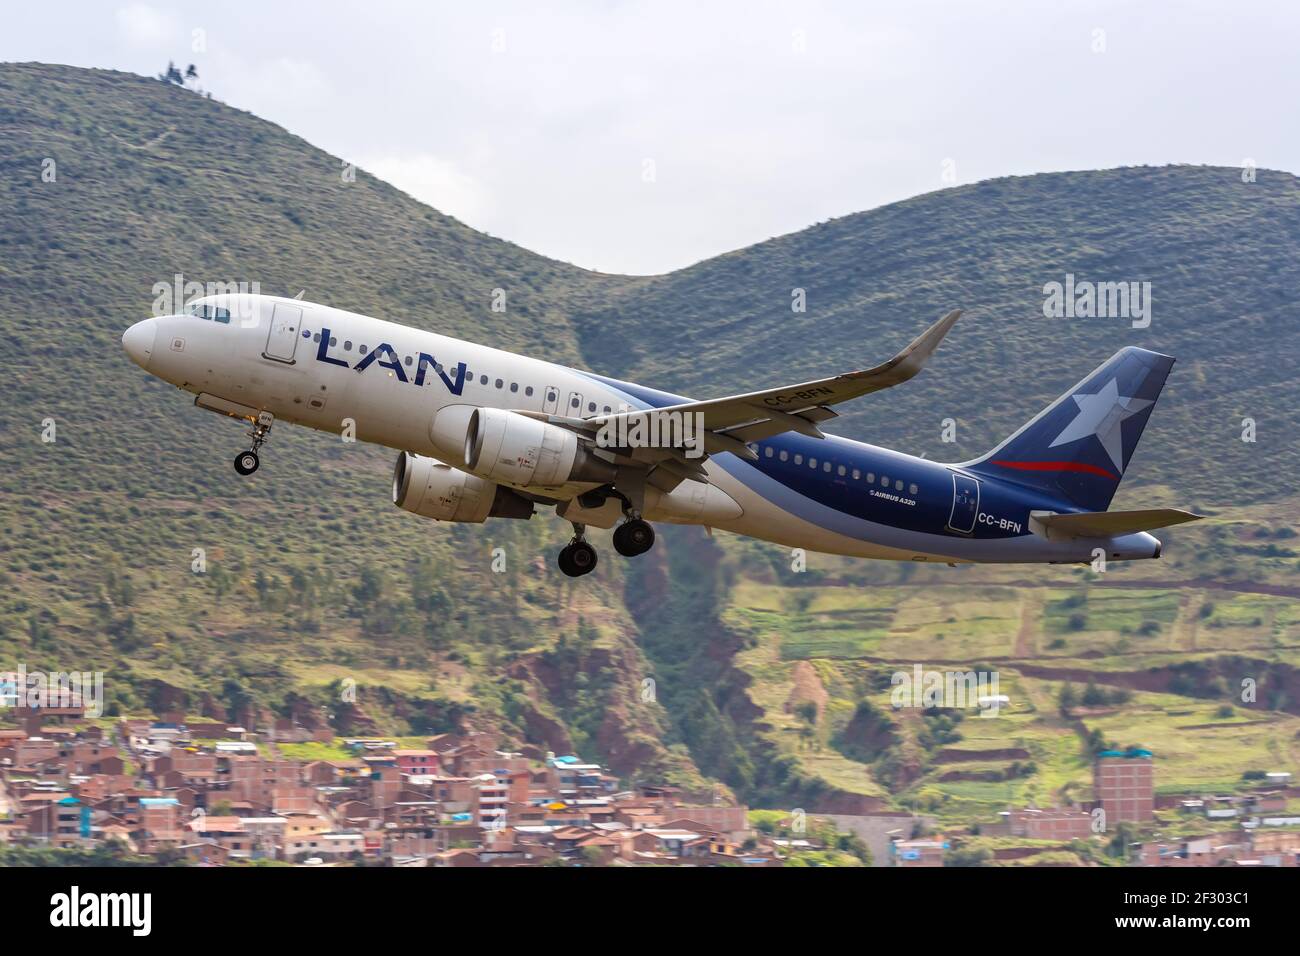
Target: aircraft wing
729,423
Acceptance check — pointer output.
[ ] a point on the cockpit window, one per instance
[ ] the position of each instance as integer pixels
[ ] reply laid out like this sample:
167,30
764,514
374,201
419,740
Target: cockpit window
210,312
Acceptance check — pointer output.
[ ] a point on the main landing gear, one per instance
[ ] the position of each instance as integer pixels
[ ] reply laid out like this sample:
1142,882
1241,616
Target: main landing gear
246,462
577,557
634,536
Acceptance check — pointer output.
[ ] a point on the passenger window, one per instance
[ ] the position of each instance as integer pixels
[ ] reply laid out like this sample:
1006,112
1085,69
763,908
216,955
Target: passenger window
871,477
574,402
798,459
347,345
333,341
884,481
785,455
361,349
812,462
528,390
607,410
856,474
591,406
499,383
482,379
768,451
912,489
316,337
408,360
514,386
841,471
898,484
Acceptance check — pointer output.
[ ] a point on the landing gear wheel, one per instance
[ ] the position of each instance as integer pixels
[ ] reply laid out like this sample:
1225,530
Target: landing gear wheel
577,559
633,537
246,462
582,557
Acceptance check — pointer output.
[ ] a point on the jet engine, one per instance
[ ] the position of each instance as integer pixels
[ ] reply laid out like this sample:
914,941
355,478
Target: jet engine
506,446
429,488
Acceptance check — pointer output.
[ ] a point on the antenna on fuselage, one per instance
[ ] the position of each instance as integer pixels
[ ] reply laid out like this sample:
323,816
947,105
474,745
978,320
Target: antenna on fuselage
301,293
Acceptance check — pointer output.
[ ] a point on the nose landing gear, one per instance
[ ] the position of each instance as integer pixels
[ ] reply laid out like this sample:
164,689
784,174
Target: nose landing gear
247,462
577,557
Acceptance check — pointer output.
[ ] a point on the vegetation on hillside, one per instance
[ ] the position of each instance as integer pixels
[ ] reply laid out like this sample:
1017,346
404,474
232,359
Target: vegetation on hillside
131,547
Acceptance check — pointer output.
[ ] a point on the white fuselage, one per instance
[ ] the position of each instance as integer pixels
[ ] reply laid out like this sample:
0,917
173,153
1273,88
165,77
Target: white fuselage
264,353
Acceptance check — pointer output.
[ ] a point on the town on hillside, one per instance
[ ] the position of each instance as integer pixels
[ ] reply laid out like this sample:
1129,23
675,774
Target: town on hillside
175,790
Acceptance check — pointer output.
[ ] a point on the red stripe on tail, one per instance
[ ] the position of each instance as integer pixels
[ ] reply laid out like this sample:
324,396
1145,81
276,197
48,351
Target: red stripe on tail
1058,466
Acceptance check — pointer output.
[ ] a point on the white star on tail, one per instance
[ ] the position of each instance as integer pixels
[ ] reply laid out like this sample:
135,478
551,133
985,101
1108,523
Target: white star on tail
1101,415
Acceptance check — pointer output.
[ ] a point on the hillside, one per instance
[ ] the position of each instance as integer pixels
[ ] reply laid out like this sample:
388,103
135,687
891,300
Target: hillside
314,579
312,576
1219,254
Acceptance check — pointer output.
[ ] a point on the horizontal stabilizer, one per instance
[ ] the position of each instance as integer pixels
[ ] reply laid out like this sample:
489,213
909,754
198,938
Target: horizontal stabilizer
1105,524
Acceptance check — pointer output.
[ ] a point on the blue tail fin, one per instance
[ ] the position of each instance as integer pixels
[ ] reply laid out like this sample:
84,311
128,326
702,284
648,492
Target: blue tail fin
1077,449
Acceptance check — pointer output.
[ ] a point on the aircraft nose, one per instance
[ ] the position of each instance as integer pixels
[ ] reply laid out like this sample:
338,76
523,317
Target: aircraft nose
138,342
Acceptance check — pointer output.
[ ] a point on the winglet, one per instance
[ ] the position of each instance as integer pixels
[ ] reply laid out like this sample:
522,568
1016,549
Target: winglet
929,340
909,361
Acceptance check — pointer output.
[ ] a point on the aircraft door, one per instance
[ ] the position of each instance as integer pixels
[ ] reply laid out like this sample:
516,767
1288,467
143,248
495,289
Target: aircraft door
574,408
965,503
550,399
282,339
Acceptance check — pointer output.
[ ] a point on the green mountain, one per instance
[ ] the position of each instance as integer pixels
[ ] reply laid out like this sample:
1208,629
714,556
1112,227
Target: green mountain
312,580
1219,254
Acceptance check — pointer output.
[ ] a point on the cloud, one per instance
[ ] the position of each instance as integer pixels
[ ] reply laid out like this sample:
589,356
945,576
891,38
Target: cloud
142,25
762,116
437,182
292,77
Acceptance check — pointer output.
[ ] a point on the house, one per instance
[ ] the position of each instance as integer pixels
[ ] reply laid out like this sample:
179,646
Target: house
227,832
917,852
62,820
731,822
460,857
421,762
1050,824
671,843
326,845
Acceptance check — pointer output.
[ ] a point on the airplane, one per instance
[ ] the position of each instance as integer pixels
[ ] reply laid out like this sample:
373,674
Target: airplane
482,433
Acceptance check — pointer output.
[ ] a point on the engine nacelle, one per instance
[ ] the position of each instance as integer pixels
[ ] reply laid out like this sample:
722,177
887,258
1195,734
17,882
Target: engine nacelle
427,487
506,446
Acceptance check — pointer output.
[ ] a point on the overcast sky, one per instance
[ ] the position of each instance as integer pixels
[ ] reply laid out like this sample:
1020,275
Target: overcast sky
643,136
